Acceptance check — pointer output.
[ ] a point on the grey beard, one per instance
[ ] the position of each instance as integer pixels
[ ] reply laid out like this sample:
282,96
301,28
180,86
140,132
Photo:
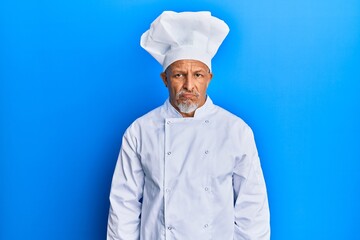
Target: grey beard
187,107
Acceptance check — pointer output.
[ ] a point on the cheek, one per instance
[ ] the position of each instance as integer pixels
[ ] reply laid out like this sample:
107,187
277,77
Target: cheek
202,89
173,91
175,88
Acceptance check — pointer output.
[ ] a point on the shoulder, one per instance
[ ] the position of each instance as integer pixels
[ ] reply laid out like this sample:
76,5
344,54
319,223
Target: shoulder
229,118
235,129
151,119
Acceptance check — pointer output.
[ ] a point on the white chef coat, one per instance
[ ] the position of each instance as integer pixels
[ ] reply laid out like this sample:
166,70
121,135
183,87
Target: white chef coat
188,178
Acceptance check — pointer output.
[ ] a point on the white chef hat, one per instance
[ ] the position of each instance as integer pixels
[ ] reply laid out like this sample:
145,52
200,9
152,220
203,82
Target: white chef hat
186,35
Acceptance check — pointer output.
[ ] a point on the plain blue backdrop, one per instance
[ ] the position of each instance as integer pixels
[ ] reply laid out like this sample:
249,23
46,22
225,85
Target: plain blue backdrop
73,77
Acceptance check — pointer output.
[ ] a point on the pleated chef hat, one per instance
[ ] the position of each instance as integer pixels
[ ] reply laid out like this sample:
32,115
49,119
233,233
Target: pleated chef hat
186,35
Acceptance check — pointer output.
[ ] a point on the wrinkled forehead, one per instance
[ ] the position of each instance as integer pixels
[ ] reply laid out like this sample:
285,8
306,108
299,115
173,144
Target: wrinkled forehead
188,65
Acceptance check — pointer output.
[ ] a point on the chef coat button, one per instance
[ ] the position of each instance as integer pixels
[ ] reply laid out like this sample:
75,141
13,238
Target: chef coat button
168,122
170,228
169,153
206,121
207,151
206,225
168,190
206,189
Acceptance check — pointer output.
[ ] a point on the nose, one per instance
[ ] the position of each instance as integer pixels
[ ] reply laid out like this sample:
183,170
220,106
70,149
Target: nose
189,83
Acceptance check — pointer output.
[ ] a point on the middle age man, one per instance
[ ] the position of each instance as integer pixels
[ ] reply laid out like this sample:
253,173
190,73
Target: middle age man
188,169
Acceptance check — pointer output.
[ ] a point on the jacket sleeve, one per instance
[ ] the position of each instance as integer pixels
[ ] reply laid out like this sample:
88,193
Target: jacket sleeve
252,217
126,193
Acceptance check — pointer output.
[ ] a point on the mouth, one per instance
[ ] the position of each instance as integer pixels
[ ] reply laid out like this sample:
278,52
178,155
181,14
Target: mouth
188,95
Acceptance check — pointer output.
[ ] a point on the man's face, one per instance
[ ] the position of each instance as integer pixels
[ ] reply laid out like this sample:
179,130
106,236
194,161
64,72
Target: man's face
187,81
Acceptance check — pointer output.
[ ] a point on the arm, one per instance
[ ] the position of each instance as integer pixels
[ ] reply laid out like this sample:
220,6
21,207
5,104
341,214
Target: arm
252,217
126,193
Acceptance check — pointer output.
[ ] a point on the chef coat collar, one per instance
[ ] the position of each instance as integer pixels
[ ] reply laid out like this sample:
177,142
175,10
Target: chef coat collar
202,111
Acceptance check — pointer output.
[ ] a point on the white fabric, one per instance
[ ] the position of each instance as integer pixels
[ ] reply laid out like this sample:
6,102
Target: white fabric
188,178
186,35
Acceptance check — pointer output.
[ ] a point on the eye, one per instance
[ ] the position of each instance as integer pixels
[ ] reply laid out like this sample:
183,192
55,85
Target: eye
198,75
178,75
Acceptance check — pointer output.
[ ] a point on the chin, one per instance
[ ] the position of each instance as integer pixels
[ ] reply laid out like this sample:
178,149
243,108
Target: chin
187,107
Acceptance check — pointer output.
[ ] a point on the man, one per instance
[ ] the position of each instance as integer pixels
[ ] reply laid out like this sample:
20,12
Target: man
189,169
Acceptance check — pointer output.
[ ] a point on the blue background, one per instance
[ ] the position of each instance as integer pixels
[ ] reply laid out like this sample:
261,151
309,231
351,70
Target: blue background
73,77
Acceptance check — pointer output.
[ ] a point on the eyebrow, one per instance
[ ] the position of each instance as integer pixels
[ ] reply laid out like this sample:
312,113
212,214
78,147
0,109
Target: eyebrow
196,70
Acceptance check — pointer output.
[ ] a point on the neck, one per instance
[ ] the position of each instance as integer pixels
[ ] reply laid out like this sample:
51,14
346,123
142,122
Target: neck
187,115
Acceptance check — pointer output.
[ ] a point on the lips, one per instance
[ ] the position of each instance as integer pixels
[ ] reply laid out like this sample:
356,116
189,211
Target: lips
187,95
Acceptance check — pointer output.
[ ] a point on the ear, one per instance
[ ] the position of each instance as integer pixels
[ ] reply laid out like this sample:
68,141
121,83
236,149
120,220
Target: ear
210,77
164,78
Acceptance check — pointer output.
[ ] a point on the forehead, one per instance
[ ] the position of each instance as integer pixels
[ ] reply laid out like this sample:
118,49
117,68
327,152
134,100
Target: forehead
193,65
